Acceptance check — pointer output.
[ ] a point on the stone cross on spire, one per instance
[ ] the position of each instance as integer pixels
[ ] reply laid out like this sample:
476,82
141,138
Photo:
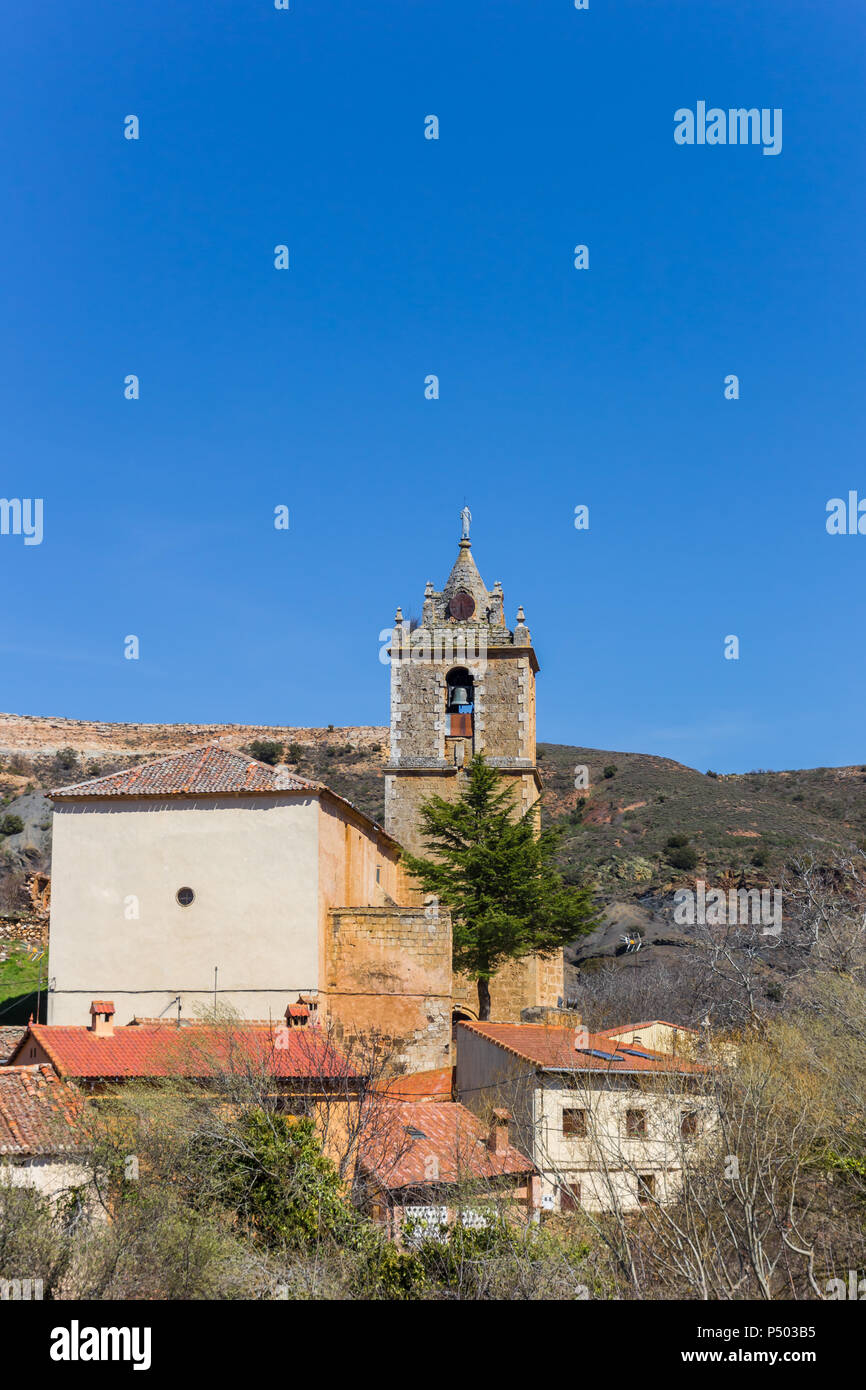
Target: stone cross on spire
466,518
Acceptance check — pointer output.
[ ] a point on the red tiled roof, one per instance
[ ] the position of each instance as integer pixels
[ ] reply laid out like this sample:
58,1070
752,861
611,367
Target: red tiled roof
38,1111
554,1048
102,1006
139,1050
208,771
421,1085
446,1132
10,1037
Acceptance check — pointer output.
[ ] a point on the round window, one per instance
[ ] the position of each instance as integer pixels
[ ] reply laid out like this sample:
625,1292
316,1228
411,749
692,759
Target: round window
462,606
184,896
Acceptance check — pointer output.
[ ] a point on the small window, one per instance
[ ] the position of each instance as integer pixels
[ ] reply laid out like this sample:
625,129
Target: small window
569,1197
574,1124
646,1187
635,1124
185,896
689,1124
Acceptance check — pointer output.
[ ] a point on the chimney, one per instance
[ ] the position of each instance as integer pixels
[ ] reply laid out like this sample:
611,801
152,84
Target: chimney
102,1018
497,1140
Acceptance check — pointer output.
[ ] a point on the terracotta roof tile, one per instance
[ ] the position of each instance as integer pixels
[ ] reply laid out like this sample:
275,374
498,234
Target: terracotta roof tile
553,1047
421,1085
142,1050
10,1037
409,1134
39,1112
208,771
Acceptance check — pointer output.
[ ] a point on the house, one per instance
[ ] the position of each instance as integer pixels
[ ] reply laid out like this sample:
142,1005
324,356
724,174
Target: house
39,1130
427,1164
207,877
658,1035
300,1063
605,1123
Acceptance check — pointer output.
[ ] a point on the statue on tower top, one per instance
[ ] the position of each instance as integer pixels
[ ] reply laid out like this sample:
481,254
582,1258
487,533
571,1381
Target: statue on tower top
466,518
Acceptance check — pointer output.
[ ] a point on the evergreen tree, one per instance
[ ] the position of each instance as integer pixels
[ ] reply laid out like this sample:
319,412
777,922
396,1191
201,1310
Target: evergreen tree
496,874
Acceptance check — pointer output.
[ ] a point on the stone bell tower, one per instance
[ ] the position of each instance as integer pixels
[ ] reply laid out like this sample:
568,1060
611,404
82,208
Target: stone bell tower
462,682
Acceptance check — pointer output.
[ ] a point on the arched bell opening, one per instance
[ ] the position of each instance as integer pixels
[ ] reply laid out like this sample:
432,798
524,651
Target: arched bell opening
460,702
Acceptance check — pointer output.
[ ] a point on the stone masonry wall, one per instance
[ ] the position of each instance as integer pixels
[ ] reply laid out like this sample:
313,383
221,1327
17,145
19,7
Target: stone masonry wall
518,985
388,971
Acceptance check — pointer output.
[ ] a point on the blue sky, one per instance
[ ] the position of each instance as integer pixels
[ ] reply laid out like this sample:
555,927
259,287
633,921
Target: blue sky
558,387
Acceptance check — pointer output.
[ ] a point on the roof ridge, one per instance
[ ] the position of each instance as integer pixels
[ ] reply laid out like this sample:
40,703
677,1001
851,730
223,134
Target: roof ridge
133,774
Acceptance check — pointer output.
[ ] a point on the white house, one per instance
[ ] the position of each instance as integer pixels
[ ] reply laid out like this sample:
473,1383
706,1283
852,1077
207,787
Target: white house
605,1123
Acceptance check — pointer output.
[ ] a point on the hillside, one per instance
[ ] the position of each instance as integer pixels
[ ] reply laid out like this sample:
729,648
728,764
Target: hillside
734,829
746,823
616,833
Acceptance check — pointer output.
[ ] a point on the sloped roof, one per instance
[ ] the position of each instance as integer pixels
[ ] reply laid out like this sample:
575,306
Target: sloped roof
10,1037
39,1112
421,1085
409,1134
198,1050
650,1023
554,1048
208,771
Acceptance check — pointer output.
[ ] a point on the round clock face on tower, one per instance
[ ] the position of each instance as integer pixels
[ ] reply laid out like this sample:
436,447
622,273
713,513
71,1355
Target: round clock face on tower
462,605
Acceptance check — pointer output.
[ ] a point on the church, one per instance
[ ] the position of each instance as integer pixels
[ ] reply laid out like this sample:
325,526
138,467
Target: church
207,877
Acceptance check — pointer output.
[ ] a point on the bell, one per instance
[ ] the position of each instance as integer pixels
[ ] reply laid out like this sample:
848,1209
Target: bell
460,695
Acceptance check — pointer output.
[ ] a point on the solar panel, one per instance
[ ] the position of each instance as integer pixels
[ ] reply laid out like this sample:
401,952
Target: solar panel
415,1133
633,1052
594,1052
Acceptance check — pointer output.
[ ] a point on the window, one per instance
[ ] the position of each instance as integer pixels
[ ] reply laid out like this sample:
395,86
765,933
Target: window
574,1124
689,1124
569,1197
185,896
635,1124
646,1187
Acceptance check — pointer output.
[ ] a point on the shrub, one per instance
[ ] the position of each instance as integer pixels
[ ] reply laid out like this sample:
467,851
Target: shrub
266,750
684,858
676,841
67,759
11,825
294,753
281,1185
610,770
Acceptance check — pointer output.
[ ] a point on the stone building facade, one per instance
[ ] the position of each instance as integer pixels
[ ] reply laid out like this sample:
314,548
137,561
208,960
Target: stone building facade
463,682
388,973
